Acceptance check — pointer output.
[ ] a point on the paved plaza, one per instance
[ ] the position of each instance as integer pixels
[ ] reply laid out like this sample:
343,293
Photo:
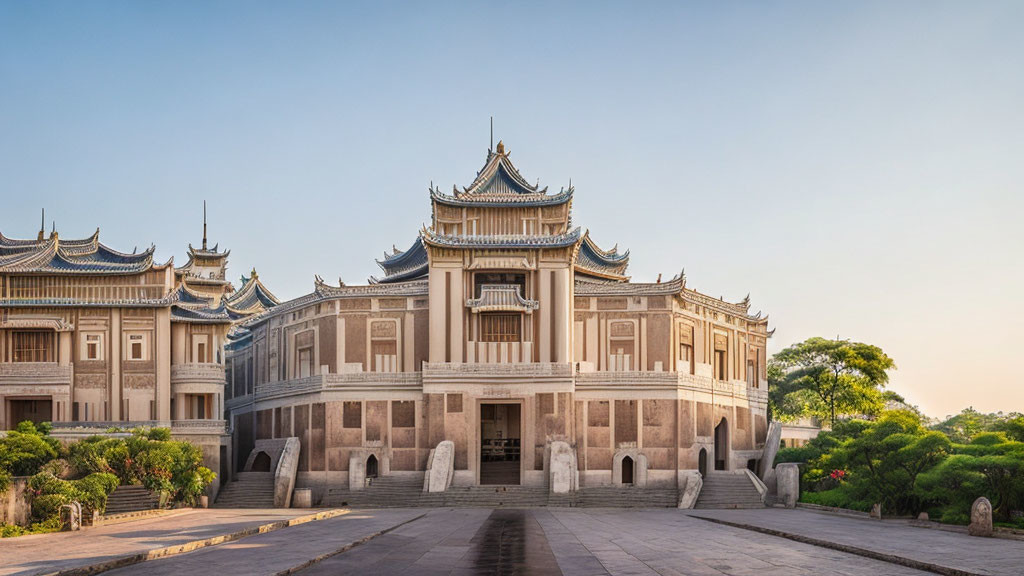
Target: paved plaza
541,541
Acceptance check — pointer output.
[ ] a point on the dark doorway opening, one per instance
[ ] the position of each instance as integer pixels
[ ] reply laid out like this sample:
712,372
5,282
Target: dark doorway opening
371,467
722,445
627,470
702,462
500,450
261,463
36,411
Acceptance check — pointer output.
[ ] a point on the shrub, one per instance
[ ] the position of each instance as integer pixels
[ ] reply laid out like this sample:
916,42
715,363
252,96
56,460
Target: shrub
25,449
50,493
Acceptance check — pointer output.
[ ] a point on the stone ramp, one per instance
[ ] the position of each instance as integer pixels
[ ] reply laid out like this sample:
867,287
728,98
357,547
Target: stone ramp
248,490
728,490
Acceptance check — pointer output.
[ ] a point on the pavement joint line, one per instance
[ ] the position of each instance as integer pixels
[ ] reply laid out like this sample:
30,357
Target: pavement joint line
131,559
865,552
345,548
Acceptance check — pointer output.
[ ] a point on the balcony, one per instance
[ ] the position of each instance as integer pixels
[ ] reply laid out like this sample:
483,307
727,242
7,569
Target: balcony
196,426
197,378
668,381
350,381
444,374
34,378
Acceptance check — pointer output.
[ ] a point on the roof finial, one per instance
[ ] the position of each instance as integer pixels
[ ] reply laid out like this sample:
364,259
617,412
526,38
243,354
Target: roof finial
491,146
204,224
253,274
42,225
501,148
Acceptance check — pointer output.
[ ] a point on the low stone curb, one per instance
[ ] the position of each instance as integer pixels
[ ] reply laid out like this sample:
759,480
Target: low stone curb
137,515
128,560
345,548
833,510
865,552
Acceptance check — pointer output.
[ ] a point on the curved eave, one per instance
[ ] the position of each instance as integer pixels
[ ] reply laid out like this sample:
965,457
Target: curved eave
499,166
503,200
590,288
502,241
420,271
598,274
404,265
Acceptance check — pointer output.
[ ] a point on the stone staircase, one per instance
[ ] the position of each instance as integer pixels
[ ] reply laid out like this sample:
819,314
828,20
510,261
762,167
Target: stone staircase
406,492
248,490
626,496
127,499
728,490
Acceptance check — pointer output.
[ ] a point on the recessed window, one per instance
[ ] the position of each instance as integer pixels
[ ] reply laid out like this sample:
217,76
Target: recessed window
93,347
136,350
500,327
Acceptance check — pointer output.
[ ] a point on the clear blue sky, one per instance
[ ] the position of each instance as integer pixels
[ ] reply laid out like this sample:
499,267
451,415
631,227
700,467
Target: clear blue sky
857,167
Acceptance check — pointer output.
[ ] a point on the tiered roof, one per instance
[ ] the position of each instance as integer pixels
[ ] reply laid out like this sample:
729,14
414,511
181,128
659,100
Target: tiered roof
501,240
51,255
591,260
188,305
400,266
252,298
498,183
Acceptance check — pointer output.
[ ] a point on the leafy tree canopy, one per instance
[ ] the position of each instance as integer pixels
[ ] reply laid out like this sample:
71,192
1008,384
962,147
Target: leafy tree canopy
829,378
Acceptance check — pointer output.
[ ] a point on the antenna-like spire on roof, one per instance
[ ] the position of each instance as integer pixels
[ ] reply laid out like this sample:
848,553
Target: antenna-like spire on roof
204,224
491,147
42,225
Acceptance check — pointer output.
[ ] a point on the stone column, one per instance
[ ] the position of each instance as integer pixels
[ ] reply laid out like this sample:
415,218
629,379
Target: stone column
114,398
163,364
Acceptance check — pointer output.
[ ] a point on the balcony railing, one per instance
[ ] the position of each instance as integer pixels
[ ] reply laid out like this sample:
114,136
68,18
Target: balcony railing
198,373
34,373
197,426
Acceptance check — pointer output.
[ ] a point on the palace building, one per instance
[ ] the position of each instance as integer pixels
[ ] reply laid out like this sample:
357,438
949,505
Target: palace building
503,343
93,338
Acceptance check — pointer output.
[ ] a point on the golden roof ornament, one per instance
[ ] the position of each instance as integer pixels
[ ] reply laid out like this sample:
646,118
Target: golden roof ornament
501,148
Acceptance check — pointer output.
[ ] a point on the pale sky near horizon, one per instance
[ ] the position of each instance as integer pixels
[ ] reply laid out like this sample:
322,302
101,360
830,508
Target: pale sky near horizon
856,167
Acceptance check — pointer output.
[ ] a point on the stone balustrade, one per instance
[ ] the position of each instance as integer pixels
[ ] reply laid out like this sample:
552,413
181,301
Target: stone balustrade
22,373
197,426
204,373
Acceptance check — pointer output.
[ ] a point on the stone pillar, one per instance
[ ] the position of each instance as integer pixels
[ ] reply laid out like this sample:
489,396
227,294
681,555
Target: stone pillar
438,298
163,364
114,398
981,518
787,481
64,341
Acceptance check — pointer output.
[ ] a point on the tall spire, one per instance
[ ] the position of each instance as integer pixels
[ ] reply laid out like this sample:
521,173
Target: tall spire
204,224
42,226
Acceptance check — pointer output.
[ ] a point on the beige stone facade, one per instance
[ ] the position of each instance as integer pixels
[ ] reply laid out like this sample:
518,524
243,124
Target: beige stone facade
503,329
92,338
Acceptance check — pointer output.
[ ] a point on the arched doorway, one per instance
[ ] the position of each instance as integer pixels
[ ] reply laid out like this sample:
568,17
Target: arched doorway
627,470
371,466
261,463
702,462
722,445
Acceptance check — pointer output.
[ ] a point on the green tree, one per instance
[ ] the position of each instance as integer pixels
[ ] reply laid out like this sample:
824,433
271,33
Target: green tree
883,462
991,465
827,378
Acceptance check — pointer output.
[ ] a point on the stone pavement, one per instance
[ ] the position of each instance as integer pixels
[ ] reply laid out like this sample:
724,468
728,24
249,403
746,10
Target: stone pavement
542,542
42,553
994,556
587,542
277,551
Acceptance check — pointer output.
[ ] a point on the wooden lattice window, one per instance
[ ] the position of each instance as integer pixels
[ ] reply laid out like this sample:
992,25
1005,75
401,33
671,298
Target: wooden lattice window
33,346
500,327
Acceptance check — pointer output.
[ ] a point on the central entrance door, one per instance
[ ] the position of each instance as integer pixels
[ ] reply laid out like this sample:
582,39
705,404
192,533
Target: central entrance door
500,449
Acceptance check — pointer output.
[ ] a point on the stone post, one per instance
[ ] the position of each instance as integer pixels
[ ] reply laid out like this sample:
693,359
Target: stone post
787,481
876,511
981,518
